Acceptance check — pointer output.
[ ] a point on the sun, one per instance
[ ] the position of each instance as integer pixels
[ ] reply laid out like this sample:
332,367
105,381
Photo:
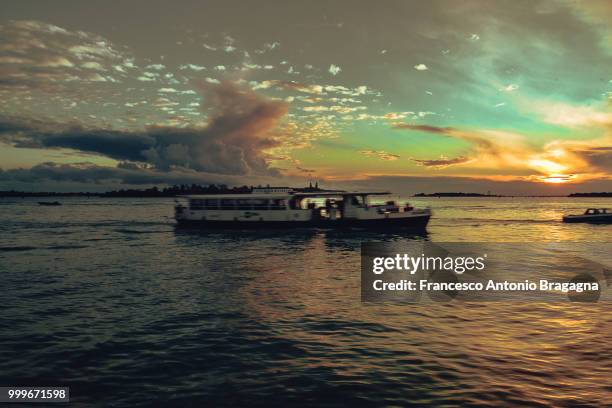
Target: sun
557,178
555,171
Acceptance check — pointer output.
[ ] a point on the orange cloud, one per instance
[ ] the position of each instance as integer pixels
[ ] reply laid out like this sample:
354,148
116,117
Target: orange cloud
556,162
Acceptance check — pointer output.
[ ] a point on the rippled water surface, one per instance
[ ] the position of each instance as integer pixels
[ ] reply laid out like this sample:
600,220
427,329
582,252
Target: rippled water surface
106,296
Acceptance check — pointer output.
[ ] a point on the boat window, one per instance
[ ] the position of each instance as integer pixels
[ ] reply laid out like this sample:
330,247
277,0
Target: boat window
278,204
196,204
295,204
227,204
238,204
243,204
358,201
259,204
211,204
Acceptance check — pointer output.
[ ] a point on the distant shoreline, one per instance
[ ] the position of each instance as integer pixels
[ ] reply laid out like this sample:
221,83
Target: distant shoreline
153,192
471,195
177,191
456,195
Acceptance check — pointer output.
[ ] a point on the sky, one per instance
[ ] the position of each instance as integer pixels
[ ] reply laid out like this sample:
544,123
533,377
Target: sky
508,97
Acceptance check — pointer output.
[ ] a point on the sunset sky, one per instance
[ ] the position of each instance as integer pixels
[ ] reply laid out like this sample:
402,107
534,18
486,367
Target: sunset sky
513,97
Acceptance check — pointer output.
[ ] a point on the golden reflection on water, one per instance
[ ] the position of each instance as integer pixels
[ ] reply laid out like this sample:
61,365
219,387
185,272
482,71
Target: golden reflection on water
298,294
528,352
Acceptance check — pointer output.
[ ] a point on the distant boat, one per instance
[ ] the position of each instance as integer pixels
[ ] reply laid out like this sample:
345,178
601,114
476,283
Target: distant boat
592,215
49,203
282,206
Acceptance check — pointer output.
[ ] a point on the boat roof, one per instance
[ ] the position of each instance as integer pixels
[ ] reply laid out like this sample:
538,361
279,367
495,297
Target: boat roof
342,193
285,195
237,196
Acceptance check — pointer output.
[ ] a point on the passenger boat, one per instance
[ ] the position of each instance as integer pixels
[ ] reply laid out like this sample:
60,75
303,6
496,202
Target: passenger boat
592,215
285,207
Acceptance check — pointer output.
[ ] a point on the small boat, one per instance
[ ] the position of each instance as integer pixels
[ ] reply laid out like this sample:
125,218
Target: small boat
49,203
285,207
592,215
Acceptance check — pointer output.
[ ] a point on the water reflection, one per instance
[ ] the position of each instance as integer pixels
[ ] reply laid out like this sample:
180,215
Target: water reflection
334,239
231,317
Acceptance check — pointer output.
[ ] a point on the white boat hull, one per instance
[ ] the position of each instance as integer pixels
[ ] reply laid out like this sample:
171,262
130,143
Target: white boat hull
417,219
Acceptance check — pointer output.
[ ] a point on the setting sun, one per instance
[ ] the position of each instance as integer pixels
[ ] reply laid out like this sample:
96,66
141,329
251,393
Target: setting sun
557,178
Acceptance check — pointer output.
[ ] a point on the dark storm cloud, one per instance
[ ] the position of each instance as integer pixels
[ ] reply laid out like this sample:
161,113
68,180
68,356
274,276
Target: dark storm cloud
91,173
13,126
233,142
114,144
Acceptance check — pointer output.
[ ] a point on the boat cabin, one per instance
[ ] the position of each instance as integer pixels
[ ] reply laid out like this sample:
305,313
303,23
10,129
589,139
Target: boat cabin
280,205
331,205
286,200
242,203
597,211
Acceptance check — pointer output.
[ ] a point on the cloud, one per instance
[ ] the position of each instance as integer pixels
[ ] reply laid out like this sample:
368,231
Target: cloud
40,56
599,158
381,154
268,47
592,156
425,128
323,89
489,148
335,108
157,67
234,142
334,69
509,88
482,141
428,184
311,89
493,149
89,65
568,115
421,67
123,173
193,67
442,162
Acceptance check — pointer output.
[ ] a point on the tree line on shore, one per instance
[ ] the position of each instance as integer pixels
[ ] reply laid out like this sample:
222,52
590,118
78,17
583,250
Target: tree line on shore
172,191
